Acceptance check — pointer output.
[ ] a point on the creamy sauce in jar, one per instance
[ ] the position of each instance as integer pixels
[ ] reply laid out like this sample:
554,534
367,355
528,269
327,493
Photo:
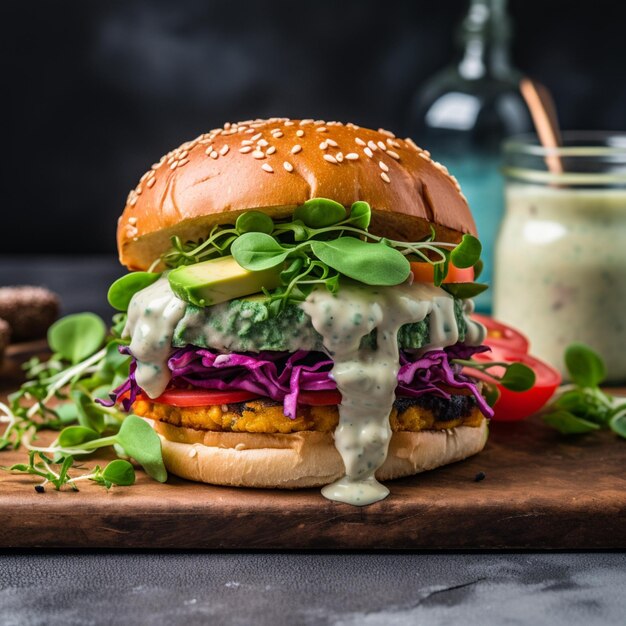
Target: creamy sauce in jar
561,271
153,314
366,377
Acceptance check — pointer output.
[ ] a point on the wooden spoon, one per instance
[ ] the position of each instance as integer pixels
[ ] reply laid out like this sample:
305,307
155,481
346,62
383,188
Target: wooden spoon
543,112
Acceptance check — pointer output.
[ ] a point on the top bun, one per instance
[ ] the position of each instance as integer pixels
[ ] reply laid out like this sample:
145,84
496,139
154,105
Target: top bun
277,164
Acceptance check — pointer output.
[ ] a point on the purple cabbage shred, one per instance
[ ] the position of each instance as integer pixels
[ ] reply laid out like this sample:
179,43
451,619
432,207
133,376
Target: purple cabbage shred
281,376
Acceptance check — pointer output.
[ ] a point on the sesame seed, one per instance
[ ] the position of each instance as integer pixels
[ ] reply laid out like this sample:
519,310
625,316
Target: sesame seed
209,150
257,154
296,149
247,142
138,189
385,177
300,132
352,156
424,156
330,158
174,165
386,132
288,166
321,129
270,150
369,153
382,146
394,143
339,156
412,144
383,166
257,137
305,122
132,220
214,154
227,125
245,149
289,123
427,153
150,183
393,155
262,143
267,167
145,176
332,142
277,134
323,145
372,145
183,154
224,149
193,452
183,162
360,141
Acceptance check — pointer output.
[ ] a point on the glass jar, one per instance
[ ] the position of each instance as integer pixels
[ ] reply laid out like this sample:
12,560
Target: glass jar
560,270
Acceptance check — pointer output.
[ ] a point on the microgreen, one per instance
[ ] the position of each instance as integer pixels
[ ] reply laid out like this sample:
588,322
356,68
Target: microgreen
585,408
329,242
516,377
77,336
117,472
320,212
124,288
369,263
464,290
60,394
254,222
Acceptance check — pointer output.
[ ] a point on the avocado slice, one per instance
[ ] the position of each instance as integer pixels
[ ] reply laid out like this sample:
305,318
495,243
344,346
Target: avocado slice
219,280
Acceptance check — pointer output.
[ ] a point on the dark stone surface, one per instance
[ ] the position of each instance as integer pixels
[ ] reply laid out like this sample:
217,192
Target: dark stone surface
347,589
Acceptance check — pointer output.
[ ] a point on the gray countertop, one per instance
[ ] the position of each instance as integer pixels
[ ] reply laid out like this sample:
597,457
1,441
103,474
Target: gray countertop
350,589
260,588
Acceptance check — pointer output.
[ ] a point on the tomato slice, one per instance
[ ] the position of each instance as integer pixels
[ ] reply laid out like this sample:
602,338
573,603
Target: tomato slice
319,398
424,273
202,397
501,335
517,405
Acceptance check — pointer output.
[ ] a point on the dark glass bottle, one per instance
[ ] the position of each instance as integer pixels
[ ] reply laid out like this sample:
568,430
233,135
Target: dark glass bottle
465,111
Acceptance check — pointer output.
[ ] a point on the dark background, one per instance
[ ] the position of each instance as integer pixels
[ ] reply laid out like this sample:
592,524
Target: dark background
95,91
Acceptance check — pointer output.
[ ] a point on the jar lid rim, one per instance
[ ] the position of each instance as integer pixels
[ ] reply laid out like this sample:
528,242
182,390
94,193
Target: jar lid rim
575,144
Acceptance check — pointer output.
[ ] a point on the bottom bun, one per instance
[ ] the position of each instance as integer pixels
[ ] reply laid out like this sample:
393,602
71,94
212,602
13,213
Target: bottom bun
305,459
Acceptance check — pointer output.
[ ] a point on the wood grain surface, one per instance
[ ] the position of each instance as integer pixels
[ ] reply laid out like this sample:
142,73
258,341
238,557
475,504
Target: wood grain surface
541,491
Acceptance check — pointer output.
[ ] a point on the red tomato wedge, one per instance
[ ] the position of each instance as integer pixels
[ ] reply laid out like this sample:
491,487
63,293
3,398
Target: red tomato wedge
207,397
319,398
501,335
517,405
424,273
202,397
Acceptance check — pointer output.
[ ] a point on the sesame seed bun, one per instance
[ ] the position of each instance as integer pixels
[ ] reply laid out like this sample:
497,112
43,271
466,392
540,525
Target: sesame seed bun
275,165
305,459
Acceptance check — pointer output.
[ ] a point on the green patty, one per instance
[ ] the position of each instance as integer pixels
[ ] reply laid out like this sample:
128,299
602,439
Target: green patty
245,326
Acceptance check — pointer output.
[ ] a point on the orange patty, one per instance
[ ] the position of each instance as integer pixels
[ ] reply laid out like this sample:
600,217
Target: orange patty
264,416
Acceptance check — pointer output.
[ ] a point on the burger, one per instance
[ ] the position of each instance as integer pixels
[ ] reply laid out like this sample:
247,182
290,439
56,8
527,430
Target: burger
298,309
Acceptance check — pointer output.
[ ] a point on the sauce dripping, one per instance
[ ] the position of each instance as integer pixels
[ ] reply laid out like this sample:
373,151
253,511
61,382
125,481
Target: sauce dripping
153,314
366,377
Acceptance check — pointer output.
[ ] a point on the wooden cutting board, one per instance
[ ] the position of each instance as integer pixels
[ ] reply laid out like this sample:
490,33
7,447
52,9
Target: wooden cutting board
541,491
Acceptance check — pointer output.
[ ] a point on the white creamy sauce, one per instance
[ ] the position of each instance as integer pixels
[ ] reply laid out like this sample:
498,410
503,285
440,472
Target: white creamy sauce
152,316
367,378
